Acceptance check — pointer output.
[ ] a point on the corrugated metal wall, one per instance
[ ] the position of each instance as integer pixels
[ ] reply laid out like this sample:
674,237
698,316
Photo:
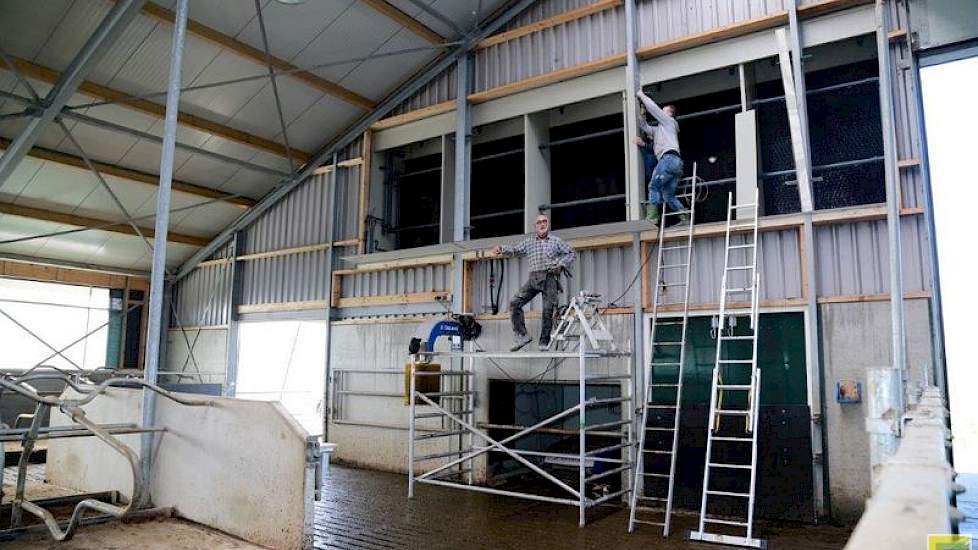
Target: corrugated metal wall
779,260
905,118
606,271
854,258
429,278
200,299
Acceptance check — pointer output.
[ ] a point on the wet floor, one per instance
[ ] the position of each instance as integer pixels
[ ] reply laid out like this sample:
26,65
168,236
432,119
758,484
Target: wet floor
370,510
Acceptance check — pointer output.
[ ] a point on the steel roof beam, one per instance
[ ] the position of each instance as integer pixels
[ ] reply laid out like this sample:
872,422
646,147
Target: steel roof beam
386,8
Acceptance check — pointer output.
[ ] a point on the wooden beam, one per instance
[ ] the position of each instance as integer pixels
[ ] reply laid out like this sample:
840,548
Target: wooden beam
859,298
367,154
559,19
51,76
537,314
133,175
712,36
468,285
411,116
83,221
286,306
406,21
394,299
547,78
258,56
898,34
336,290
907,163
63,275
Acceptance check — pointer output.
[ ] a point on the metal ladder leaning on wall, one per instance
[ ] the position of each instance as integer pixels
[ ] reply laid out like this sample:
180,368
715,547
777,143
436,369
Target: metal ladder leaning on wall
663,410
741,378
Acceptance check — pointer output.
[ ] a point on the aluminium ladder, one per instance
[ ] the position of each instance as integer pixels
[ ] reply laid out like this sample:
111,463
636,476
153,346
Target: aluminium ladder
652,490
734,395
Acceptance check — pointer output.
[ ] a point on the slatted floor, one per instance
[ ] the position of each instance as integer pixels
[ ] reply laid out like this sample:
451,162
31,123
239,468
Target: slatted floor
369,510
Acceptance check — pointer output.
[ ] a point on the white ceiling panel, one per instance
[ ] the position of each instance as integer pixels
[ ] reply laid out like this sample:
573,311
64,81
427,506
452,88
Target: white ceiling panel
220,103
227,16
358,32
17,38
56,187
15,227
22,176
248,183
67,39
122,51
203,220
320,122
377,77
291,28
259,115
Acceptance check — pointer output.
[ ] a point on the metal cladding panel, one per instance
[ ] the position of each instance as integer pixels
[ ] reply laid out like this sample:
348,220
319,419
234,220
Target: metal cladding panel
408,280
297,220
283,279
778,258
580,41
544,10
200,299
606,271
663,20
439,90
348,203
854,258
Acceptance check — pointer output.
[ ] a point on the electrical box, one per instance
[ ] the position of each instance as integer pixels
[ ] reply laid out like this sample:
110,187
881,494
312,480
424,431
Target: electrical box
848,391
423,384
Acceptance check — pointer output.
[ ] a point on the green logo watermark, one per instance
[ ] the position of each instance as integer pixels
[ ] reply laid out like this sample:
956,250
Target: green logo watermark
948,542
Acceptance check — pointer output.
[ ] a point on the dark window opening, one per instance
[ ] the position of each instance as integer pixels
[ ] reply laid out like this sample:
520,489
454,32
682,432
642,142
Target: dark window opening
587,161
707,138
412,188
497,188
520,404
845,134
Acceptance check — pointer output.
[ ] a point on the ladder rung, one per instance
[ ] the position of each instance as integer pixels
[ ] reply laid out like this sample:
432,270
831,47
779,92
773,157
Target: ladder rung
671,266
663,385
748,245
668,323
736,361
650,474
725,438
739,289
667,343
725,522
438,414
679,247
605,425
738,387
730,466
644,522
740,267
659,429
607,377
650,406
677,212
668,364
747,205
650,499
728,494
732,412
667,285
656,452
747,337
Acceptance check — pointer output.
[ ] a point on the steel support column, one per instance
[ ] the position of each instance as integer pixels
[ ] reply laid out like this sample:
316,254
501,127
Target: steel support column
634,178
330,237
892,175
233,299
108,31
154,330
463,148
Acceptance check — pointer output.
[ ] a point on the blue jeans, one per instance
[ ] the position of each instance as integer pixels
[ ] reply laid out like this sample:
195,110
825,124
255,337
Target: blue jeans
665,179
649,160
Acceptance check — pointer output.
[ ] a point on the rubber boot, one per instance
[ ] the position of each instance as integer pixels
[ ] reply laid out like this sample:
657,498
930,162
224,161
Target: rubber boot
652,213
683,220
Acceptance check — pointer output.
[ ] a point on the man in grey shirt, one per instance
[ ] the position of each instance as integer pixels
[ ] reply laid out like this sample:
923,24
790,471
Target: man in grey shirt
669,169
547,255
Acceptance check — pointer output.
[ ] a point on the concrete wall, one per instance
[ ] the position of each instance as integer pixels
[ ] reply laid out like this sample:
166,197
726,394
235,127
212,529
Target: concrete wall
372,431
237,466
856,336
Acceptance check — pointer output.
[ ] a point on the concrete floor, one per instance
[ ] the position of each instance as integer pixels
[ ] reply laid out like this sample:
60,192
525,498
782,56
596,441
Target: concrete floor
370,510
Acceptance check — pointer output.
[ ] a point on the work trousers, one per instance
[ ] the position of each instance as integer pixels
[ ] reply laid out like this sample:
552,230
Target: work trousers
665,180
540,282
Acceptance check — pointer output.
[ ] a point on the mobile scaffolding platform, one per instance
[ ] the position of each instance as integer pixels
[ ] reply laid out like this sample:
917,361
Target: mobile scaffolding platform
453,406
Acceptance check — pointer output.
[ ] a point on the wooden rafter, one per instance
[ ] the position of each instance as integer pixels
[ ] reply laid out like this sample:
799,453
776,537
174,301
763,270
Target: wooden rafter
85,221
51,76
406,21
258,56
132,175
